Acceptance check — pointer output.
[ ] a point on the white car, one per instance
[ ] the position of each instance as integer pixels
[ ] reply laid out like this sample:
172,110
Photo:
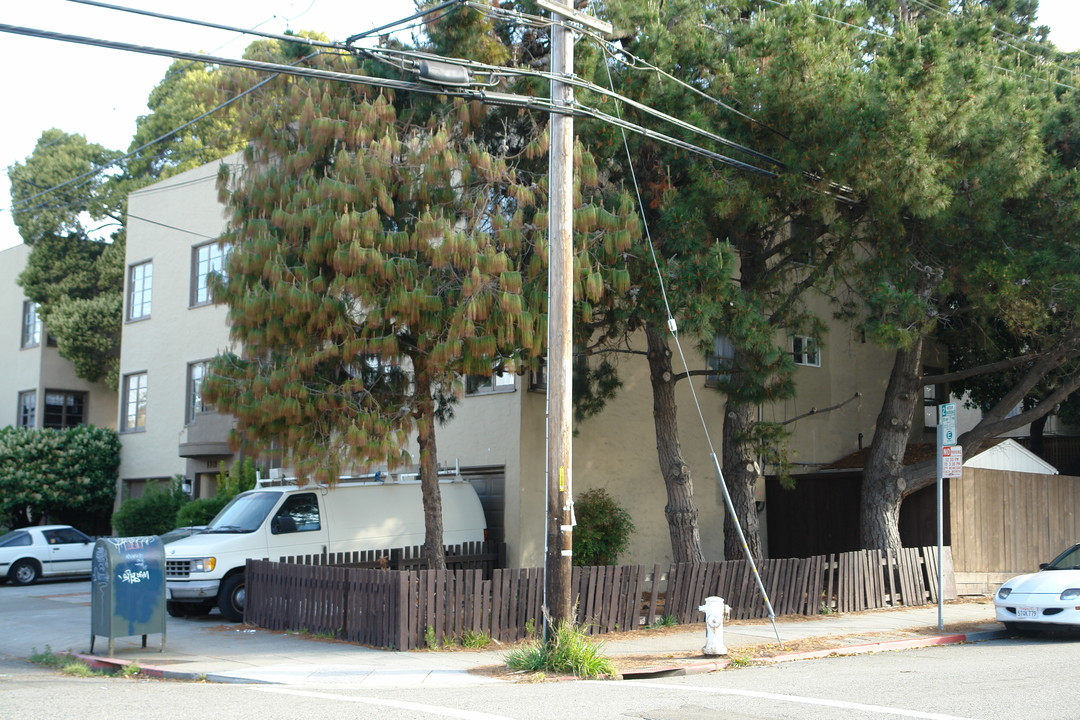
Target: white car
1051,596
30,553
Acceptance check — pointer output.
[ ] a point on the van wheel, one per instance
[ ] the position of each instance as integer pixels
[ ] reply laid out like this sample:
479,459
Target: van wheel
232,596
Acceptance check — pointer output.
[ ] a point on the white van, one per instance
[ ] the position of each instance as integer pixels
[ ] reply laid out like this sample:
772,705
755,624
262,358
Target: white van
207,569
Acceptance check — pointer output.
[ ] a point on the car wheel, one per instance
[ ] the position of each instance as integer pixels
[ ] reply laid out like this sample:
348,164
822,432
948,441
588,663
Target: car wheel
1022,629
232,596
24,572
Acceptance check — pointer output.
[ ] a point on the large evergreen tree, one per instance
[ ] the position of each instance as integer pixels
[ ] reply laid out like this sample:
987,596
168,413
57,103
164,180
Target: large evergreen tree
379,254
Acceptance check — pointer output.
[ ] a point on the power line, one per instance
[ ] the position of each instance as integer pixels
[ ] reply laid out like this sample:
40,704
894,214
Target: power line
203,23
139,149
578,83
467,93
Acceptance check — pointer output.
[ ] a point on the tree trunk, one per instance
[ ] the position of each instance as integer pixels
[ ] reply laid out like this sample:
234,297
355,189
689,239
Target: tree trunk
681,510
1037,436
883,482
740,475
429,472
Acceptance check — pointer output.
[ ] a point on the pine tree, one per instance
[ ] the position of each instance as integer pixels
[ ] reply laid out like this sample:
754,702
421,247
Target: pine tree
380,253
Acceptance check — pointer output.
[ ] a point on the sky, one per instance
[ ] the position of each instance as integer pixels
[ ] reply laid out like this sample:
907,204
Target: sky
99,92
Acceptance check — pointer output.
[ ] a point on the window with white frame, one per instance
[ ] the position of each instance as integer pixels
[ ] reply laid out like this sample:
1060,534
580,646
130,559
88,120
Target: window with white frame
140,289
63,409
133,417
721,357
805,351
197,372
483,384
206,260
28,409
31,325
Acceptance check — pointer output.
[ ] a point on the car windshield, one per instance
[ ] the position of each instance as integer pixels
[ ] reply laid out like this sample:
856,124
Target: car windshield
244,513
1068,560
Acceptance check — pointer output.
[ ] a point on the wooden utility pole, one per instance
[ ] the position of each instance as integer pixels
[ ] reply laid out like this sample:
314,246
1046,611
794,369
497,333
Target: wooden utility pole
560,533
560,497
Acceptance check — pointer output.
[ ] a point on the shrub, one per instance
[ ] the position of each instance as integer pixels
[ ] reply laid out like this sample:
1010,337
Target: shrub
200,511
152,514
64,475
603,529
567,650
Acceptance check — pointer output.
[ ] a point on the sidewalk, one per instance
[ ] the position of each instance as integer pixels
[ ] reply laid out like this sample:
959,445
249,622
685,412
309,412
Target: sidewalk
208,649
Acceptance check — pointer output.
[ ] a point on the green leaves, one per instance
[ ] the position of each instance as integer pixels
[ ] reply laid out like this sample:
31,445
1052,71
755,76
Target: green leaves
67,473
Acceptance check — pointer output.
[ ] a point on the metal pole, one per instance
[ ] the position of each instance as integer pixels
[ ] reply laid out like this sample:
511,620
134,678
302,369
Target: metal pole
560,324
940,522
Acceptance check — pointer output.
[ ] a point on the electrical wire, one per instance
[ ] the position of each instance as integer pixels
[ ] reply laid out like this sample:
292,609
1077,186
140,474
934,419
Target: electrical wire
478,95
167,135
576,82
216,26
624,56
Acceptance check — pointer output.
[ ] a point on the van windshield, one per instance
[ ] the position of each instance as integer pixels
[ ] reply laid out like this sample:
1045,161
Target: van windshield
244,513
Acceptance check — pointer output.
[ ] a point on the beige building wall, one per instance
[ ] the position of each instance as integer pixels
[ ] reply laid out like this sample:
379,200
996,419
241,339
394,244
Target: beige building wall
39,367
167,222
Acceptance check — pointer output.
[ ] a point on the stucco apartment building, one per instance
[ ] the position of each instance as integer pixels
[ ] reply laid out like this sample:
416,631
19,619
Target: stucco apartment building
497,438
39,388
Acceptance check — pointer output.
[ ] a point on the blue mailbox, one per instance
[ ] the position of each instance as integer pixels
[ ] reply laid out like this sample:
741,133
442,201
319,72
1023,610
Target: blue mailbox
128,589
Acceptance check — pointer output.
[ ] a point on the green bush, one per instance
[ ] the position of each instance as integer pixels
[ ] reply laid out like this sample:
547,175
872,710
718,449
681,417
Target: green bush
152,514
603,529
200,511
567,650
63,475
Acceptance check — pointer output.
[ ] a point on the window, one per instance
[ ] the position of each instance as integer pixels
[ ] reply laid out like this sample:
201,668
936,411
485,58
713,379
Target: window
538,377
483,384
63,409
65,536
134,399
721,358
205,259
299,513
140,286
196,376
28,409
805,351
31,325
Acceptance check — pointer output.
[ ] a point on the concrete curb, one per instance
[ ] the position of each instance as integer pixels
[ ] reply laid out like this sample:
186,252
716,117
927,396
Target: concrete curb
908,644
116,665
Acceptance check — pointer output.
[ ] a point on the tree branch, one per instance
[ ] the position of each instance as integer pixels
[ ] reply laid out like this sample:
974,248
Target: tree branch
815,411
980,370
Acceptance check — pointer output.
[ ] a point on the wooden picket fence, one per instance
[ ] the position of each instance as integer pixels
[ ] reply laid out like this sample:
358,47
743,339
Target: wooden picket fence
402,609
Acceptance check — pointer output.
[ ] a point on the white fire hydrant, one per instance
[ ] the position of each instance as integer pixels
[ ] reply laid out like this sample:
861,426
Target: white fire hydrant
715,610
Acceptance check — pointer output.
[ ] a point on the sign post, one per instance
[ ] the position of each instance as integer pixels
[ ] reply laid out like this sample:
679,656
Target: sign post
949,465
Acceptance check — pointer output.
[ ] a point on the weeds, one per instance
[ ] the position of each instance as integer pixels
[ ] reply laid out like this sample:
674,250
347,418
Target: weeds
664,621
474,639
430,641
736,661
47,658
568,650
130,670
